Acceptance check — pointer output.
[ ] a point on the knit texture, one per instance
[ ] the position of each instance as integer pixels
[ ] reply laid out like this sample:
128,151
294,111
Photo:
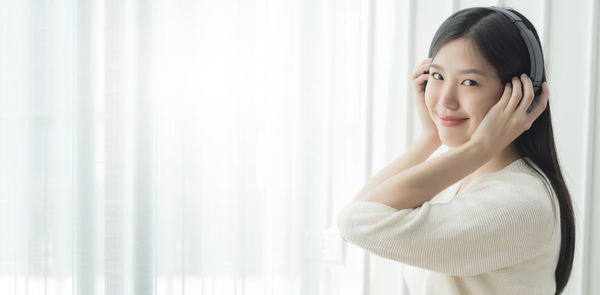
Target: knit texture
500,235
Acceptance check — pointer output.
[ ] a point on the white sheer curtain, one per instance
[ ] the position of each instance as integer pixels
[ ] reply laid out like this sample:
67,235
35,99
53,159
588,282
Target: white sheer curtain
179,147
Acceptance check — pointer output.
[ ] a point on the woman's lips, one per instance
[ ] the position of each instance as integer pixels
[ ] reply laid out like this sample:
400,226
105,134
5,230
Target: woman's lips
451,122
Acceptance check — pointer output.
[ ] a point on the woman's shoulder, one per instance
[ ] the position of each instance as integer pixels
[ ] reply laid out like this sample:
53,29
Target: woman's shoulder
516,186
517,176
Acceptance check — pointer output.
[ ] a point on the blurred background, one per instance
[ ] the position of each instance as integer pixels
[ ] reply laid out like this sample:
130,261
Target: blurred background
206,147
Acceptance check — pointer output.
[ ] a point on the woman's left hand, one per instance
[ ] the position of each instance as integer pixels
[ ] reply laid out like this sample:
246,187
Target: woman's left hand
507,119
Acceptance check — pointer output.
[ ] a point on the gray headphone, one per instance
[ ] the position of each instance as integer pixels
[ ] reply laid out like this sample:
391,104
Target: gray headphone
535,53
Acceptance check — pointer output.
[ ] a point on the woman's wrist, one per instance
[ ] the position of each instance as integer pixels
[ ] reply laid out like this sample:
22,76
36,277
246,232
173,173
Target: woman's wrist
430,140
416,154
423,147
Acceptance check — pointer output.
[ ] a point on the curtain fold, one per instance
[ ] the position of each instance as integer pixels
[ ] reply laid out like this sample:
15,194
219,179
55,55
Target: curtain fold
177,147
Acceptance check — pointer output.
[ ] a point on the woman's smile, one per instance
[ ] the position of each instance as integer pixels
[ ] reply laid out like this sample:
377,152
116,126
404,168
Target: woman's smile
451,122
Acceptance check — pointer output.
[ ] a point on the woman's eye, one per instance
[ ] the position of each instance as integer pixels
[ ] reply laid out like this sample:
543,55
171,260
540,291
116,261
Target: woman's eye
473,82
439,77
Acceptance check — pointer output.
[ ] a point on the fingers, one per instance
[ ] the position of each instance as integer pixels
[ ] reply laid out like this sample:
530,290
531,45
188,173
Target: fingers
541,105
418,82
421,68
528,95
516,95
505,96
538,109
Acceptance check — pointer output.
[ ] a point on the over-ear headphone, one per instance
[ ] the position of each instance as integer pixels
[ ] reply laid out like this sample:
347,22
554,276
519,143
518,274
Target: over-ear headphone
535,53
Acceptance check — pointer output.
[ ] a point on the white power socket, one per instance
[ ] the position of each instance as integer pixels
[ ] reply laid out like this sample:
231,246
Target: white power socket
333,247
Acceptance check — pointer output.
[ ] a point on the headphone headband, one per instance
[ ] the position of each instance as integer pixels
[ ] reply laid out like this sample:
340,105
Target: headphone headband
535,52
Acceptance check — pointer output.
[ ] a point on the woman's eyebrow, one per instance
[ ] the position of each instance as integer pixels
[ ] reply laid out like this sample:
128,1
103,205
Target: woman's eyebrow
466,71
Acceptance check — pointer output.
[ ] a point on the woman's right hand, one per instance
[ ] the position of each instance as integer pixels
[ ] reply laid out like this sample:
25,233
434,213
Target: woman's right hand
418,76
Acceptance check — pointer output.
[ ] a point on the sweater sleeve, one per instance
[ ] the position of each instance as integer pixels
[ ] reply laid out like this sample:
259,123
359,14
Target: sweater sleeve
488,228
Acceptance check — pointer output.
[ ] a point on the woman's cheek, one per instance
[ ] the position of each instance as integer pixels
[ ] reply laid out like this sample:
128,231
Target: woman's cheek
427,102
428,106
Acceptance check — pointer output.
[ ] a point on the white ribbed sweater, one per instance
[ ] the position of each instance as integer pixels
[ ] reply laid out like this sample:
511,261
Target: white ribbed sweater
500,235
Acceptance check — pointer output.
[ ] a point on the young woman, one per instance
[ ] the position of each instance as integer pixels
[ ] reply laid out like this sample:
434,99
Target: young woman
492,215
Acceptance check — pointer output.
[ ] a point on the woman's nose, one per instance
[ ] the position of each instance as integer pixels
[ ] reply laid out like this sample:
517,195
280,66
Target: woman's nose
448,97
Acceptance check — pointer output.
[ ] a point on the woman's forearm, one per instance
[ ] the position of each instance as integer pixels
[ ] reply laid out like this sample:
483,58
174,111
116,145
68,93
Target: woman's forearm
416,185
416,154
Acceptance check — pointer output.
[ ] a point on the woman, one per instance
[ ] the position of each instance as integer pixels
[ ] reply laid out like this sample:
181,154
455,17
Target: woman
508,226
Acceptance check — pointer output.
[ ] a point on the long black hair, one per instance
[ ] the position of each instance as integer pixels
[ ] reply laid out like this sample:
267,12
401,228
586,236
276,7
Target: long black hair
501,44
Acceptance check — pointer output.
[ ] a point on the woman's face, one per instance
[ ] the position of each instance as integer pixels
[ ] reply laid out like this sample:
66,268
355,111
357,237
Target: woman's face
454,91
